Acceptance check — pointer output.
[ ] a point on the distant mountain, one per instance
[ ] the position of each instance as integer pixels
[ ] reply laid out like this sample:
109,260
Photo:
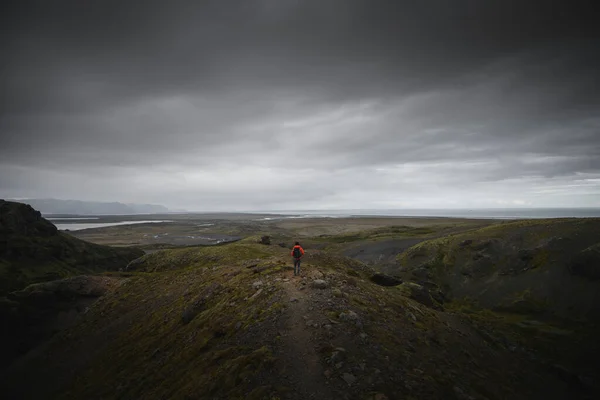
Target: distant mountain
78,207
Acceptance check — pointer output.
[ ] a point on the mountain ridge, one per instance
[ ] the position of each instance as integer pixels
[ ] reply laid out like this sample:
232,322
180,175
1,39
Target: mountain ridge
81,207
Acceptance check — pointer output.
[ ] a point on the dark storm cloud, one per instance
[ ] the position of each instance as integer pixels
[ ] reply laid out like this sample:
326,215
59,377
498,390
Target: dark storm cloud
206,86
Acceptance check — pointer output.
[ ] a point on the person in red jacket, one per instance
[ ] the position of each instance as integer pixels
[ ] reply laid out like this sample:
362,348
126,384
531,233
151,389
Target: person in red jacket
297,253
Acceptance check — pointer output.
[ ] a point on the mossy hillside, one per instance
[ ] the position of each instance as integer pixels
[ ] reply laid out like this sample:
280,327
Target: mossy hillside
569,344
339,242
212,330
33,250
324,260
35,259
246,253
33,315
200,256
191,333
379,233
524,265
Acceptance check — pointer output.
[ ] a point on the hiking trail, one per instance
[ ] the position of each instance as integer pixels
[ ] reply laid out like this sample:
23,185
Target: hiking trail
301,362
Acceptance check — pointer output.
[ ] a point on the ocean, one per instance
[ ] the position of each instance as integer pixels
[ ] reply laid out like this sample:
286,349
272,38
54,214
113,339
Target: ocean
512,213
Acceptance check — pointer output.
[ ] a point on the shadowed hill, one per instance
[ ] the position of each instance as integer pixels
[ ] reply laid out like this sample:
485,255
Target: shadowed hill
33,250
32,253
545,267
231,322
534,284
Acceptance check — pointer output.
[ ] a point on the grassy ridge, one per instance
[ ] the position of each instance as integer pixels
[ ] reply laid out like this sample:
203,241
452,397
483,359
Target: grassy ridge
212,322
208,330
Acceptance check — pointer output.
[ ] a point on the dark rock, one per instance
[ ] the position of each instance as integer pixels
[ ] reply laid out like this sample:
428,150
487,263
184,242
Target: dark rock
349,378
319,284
257,284
465,243
430,298
385,280
21,219
135,264
282,245
265,240
349,316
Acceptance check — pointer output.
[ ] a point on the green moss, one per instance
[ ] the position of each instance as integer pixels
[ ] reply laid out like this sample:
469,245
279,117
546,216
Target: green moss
157,346
202,256
34,259
376,234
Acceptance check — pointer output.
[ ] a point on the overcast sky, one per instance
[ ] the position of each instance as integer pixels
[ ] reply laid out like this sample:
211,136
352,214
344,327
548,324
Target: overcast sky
289,104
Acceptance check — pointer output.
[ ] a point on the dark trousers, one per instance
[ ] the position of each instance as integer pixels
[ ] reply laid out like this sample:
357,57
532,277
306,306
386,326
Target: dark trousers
296,266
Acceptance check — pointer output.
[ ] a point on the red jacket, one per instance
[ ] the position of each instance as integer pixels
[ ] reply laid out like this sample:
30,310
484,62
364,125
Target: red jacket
299,247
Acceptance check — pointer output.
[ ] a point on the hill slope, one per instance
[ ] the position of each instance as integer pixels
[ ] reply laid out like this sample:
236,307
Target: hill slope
33,250
545,267
231,322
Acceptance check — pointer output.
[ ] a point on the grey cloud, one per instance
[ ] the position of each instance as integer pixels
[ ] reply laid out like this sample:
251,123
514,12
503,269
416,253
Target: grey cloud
464,92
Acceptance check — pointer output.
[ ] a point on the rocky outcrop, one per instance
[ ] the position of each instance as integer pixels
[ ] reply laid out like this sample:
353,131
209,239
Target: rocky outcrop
17,219
430,298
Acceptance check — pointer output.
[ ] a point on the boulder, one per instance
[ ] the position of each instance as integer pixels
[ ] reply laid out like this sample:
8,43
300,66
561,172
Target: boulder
348,378
257,284
349,316
320,284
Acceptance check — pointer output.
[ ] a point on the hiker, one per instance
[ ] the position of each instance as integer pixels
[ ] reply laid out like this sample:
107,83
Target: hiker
297,253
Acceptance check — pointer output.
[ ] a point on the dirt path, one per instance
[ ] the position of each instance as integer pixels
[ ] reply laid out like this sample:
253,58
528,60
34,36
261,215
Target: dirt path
300,361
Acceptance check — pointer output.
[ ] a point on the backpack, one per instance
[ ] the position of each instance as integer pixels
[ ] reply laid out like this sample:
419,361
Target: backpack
296,252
